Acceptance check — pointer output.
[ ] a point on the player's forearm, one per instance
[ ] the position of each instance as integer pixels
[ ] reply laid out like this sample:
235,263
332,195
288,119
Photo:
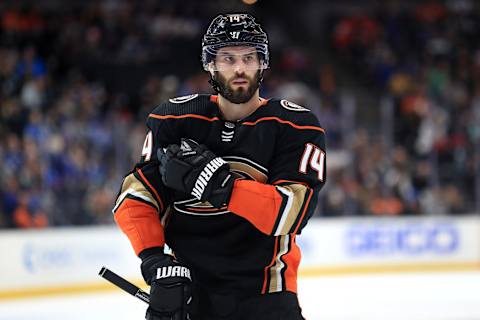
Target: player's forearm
141,224
139,207
274,210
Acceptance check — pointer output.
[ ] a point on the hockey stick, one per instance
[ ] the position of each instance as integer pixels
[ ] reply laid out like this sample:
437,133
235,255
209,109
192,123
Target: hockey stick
124,284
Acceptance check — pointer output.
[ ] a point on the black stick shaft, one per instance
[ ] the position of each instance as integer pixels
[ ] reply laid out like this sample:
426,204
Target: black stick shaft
124,284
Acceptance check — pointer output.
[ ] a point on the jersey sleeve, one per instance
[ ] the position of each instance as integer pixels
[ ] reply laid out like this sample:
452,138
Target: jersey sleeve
143,199
285,203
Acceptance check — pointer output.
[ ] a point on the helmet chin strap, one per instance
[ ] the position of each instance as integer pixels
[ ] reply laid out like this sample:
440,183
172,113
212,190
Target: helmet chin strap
214,83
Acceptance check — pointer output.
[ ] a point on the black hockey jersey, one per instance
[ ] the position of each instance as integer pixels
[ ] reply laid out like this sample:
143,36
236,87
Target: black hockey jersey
249,246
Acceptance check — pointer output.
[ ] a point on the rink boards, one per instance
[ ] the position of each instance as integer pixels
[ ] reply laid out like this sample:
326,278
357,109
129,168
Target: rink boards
64,260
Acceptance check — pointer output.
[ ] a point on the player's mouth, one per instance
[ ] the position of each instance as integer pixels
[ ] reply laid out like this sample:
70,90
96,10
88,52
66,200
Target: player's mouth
240,82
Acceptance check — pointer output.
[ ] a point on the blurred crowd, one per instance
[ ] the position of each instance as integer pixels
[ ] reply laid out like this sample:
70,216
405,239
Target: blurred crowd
66,139
77,83
425,61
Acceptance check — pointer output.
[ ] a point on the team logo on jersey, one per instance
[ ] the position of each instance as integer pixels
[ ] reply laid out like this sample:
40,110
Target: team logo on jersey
241,168
247,169
183,99
292,106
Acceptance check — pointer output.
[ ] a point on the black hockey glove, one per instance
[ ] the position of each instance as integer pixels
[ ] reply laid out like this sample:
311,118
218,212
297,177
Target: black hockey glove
195,170
170,287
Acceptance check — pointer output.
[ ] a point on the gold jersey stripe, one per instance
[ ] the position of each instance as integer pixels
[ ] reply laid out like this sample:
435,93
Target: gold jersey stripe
276,278
131,185
296,194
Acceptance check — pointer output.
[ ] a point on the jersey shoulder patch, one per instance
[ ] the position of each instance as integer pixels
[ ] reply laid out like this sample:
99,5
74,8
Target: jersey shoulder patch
289,111
189,104
183,99
293,106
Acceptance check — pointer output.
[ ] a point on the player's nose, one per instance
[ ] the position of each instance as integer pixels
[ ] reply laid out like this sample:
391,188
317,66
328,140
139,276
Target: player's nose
239,67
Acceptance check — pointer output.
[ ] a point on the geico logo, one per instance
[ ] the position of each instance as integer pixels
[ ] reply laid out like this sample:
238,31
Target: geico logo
403,239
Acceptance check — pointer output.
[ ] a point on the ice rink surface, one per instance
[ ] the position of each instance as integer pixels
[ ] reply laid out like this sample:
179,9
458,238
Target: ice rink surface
432,296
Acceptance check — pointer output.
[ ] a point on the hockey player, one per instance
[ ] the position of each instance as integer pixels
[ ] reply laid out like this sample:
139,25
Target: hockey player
226,182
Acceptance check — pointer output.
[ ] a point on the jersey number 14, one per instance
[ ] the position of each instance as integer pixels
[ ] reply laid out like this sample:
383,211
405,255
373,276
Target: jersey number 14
314,157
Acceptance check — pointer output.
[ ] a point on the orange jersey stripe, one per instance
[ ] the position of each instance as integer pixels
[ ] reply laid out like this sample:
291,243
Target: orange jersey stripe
292,260
257,202
156,116
284,122
159,199
141,225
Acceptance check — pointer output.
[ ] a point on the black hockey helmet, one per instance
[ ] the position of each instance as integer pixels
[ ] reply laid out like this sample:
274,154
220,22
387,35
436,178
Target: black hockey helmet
238,29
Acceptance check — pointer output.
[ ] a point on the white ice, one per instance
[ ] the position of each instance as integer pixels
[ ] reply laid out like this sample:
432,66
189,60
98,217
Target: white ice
433,296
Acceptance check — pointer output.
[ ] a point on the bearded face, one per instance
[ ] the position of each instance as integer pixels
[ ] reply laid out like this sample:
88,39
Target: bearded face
238,88
236,72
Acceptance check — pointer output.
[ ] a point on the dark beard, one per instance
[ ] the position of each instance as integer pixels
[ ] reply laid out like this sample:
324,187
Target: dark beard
240,95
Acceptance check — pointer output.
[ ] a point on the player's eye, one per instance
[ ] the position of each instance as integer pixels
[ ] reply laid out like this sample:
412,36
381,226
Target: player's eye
228,59
248,59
